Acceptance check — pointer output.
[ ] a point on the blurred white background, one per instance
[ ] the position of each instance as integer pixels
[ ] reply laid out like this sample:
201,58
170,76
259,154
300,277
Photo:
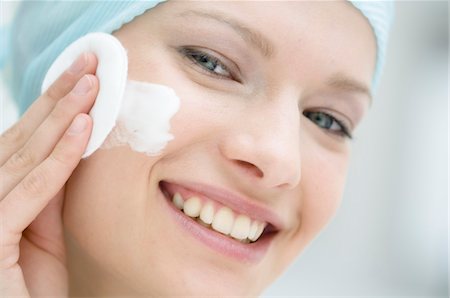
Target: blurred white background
390,237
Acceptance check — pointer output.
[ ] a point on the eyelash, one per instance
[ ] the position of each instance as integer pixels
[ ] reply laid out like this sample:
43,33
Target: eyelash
195,56
343,131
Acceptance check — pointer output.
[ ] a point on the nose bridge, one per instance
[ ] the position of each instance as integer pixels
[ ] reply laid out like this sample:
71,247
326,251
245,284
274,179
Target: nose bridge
279,143
268,140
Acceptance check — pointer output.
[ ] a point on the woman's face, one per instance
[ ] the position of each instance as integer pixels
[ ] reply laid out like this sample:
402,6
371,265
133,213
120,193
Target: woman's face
268,92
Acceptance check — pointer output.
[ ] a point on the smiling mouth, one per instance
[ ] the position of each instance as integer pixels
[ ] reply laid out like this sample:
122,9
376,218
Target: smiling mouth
217,217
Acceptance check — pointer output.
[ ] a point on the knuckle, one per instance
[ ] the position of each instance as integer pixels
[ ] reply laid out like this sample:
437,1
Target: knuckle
22,159
61,86
59,113
63,156
9,254
14,135
36,182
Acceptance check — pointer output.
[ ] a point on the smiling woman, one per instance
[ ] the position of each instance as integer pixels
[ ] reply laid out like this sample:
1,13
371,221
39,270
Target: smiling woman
270,96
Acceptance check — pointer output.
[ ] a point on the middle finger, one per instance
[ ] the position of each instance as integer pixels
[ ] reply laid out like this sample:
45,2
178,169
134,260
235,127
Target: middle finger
16,136
44,139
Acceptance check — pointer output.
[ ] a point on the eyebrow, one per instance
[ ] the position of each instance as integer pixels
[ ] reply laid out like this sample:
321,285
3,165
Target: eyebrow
253,37
345,83
266,48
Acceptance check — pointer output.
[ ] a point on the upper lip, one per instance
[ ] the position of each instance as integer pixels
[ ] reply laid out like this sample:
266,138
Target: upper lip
238,203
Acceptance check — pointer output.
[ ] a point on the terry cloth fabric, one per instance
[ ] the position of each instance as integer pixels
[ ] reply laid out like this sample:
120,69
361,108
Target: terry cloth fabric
40,31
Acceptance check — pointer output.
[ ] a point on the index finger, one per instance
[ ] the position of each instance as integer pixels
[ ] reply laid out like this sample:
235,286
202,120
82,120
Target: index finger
16,136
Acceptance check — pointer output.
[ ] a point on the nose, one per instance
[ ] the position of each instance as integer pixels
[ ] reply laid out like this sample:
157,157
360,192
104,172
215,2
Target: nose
264,148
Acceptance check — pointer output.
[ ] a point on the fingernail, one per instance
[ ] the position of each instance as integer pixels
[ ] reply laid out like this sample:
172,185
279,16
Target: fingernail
83,86
78,125
78,65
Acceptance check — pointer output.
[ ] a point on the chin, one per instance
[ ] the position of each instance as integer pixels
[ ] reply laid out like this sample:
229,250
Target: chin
188,257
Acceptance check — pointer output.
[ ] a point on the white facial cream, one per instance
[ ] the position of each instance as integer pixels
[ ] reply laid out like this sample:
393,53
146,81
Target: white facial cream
144,118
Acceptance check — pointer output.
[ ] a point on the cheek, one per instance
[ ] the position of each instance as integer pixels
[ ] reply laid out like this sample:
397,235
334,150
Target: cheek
203,112
324,185
318,197
322,197
204,115
103,203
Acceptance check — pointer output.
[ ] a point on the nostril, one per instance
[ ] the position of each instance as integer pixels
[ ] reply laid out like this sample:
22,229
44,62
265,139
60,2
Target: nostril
250,168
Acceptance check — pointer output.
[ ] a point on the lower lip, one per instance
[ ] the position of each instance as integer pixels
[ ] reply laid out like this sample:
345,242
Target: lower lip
251,253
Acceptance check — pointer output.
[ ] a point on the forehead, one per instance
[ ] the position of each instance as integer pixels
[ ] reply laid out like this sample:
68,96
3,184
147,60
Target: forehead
331,33
317,40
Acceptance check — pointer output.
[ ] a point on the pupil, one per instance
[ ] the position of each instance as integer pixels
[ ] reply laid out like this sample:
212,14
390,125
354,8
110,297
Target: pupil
322,120
205,61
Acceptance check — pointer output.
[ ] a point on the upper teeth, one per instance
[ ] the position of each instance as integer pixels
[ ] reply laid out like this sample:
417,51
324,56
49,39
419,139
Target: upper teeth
223,220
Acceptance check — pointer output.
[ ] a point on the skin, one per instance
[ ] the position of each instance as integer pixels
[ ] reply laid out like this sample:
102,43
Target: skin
252,137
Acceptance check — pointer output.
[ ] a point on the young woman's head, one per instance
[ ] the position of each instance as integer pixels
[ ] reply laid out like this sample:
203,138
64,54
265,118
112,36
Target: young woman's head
271,93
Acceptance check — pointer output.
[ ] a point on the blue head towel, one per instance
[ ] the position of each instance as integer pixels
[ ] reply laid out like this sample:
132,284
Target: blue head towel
40,31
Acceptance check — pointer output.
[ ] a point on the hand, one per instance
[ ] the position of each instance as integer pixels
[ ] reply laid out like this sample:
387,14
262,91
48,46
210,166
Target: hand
37,156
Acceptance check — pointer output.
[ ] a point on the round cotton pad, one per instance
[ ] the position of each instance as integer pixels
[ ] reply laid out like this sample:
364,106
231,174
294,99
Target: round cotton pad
111,72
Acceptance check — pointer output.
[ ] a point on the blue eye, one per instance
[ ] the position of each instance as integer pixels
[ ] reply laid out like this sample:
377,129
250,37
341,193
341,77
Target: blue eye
329,123
208,63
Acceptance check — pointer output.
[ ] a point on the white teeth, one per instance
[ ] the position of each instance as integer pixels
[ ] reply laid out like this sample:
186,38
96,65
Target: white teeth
178,201
192,207
199,221
241,227
253,230
223,220
207,213
259,229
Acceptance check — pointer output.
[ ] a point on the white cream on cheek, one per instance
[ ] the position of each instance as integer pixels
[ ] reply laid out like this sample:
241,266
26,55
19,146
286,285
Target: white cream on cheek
125,112
144,118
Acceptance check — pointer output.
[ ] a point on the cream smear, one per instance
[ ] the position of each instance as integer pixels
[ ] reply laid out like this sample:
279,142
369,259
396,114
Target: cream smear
125,112
144,118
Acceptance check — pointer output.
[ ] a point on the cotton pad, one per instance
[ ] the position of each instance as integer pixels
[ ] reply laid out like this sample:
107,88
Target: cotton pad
111,72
